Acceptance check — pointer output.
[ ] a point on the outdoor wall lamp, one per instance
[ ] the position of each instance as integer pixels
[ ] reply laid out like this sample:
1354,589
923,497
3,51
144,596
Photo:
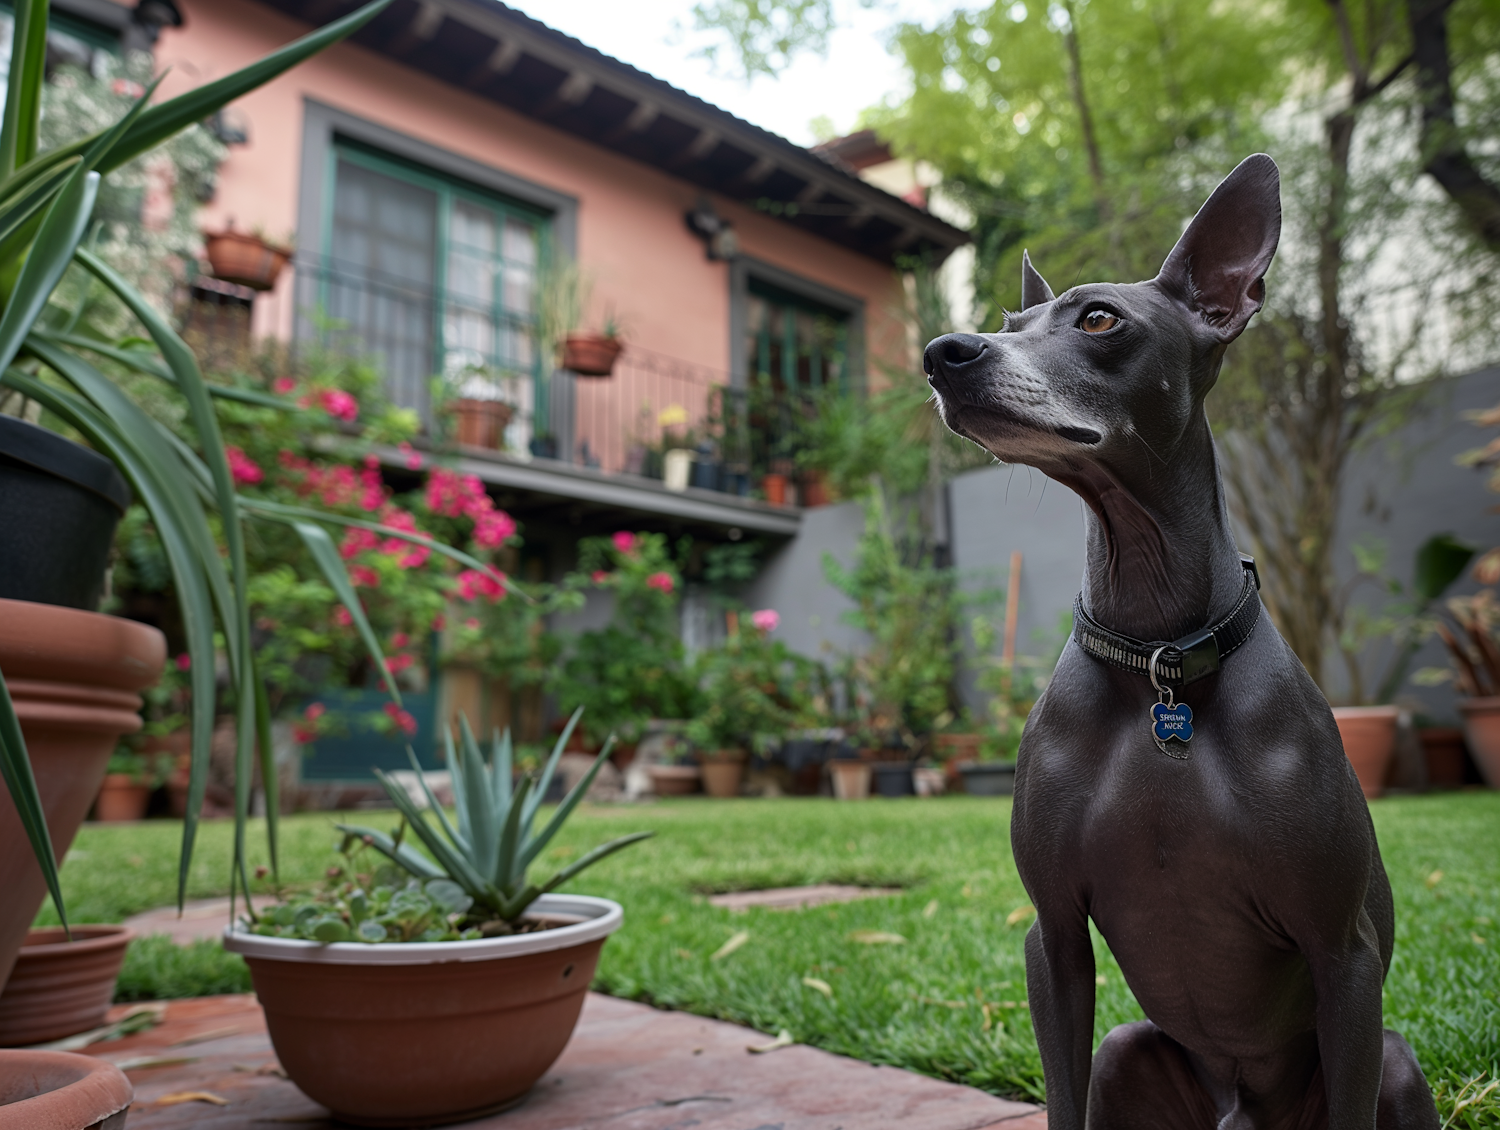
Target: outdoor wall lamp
717,233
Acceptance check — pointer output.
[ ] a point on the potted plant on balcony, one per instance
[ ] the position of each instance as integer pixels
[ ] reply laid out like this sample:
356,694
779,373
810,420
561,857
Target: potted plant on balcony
477,408
245,258
454,947
594,354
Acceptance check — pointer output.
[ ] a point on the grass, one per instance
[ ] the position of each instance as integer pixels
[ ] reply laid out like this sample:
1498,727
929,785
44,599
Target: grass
949,999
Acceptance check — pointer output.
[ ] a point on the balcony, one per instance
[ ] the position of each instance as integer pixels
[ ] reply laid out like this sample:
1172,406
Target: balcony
659,437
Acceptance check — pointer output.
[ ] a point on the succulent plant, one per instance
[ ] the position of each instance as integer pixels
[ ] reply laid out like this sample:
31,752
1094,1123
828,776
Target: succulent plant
488,852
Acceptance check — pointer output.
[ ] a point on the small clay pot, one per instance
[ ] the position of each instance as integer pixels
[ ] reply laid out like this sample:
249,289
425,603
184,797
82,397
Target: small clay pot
675,780
591,355
1369,736
121,797
723,772
482,423
61,1091
60,988
1443,751
431,1032
851,779
244,259
774,488
1482,725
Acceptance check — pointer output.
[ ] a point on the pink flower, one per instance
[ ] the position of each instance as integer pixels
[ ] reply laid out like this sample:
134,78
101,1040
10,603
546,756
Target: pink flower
403,719
493,528
339,404
242,468
184,661
439,622
599,577
342,617
364,577
766,620
304,735
473,584
398,663
624,541
661,581
283,385
472,623
356,541
413,460
400,640
314,711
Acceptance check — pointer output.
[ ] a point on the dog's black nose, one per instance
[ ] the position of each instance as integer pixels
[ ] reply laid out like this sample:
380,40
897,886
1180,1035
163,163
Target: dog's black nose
951,351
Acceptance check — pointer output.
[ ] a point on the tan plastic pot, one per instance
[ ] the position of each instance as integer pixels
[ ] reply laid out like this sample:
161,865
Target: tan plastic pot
851,779
429,1033
60,988
675,780
1482,726
121,798
61,1091
74,678
1369,736
723,771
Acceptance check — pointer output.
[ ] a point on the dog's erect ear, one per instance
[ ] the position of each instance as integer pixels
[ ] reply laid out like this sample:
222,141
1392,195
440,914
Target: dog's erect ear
1034,288
1218,266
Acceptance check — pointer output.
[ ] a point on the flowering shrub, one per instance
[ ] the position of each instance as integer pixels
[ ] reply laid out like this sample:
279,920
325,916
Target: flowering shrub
754,689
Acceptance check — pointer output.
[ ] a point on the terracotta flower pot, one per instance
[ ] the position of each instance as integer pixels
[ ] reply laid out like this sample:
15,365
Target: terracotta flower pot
73,676
814,489
121,797
1482,725
774,488
723,771
591,355
1443,751
432,1032
60,988
482,423
851,779
61,1091
1369,736
244,259
675,780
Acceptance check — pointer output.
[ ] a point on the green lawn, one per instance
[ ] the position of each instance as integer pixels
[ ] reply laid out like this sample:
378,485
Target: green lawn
949,1000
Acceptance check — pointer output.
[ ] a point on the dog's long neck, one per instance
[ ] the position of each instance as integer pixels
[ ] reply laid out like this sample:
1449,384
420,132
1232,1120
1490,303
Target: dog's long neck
1161,559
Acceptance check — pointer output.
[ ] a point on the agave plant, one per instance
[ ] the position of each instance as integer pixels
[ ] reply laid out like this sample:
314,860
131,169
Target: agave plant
492,846
46,204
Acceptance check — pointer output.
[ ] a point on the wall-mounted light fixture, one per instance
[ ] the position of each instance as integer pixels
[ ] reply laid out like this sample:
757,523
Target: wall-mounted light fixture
717,233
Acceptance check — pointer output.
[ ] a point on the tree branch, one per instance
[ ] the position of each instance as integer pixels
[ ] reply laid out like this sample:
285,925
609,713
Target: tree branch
1444,156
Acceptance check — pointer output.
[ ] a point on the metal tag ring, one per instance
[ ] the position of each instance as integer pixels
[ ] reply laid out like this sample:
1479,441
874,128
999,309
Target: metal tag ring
1151,670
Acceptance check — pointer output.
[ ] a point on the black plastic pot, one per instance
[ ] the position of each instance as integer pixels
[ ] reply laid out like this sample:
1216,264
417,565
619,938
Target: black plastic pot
544,447
892,779
59,505
989,778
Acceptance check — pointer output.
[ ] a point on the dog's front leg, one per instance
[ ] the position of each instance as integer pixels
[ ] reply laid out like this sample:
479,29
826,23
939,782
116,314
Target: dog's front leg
1060,991
1347,975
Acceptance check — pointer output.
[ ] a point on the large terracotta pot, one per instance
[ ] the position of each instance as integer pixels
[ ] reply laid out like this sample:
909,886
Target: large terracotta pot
60,988
74,678
1482,725
245,259
1443,751
61,1091
591,355
1369,736
482,423
121,798
723,771
421,1034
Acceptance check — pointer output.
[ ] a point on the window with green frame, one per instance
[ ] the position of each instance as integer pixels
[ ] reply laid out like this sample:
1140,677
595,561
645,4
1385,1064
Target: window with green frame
433,276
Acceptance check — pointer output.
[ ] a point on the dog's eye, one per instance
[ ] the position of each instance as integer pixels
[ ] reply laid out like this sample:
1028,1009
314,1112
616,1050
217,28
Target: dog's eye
1097,321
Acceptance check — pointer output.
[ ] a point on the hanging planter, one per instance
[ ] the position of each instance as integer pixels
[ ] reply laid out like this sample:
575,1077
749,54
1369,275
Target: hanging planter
591,355
244,259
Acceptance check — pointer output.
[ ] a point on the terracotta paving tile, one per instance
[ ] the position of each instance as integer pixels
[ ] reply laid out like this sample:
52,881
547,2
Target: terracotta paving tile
796,898
629,1067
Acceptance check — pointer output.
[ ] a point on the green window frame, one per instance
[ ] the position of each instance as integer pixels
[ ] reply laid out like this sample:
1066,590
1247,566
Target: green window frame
511,323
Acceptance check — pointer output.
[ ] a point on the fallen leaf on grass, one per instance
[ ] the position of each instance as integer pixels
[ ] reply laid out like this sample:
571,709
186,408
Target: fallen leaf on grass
192,1097
783,1040
940,1002
1435,878
730,946
820,985
876,938
1019,914
1478,941
930,909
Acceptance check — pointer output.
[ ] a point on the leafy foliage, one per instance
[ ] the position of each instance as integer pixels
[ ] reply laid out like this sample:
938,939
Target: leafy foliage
754,689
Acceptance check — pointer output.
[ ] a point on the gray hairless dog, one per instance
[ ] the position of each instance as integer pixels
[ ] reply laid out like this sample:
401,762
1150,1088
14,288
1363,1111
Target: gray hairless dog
1220,842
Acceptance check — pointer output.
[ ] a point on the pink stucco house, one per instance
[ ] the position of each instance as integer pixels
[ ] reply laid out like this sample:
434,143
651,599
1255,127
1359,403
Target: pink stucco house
433,166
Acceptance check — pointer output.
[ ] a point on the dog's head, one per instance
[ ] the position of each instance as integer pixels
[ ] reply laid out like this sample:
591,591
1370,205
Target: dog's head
1091,375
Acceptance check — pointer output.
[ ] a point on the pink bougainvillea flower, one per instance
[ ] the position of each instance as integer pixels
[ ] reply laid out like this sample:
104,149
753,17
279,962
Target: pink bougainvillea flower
600,577
356,541
402,718
364,577
413,459
624,541
184,661
242,468
342,618
314,711
473,584
493,528
339,404
661,581
400,640
766,620
303,735
398,663
439,622
472,623
283,385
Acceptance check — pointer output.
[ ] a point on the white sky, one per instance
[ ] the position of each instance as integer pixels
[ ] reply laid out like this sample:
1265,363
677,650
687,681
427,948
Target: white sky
655,36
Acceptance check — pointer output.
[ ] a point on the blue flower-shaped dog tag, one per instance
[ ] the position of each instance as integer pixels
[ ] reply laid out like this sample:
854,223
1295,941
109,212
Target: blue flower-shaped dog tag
1171,721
